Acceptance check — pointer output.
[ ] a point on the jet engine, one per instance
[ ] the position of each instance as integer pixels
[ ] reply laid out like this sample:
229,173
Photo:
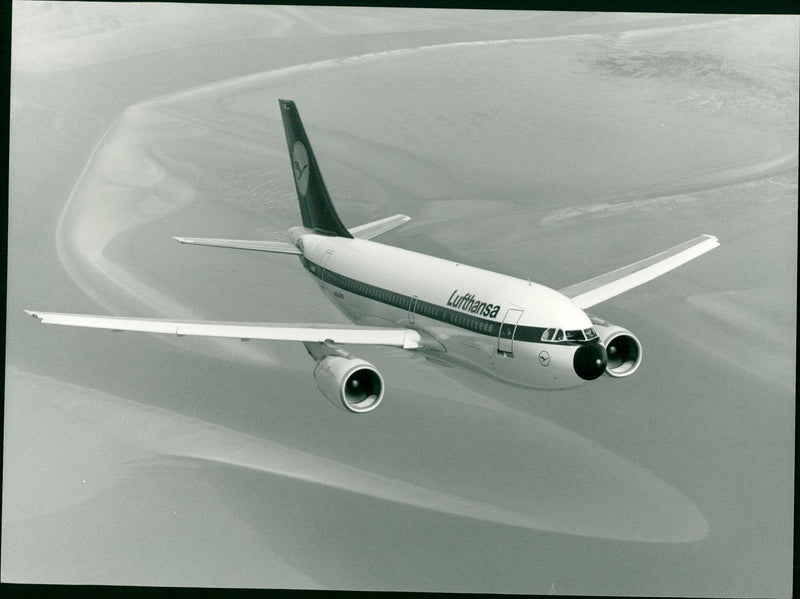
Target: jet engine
350,383
623,348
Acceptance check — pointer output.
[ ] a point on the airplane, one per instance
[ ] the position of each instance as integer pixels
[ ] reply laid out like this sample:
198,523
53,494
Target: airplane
511,329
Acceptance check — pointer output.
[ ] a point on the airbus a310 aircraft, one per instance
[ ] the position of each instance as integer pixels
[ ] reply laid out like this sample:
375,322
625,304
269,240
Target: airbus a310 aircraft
512,329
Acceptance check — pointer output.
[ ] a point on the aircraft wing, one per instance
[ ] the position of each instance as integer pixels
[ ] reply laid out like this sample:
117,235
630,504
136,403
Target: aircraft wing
375,228
352,334
279,247
596,290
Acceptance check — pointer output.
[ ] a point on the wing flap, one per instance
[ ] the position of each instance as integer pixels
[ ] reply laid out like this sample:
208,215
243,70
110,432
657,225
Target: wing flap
593,291
375,228
278,247
338,334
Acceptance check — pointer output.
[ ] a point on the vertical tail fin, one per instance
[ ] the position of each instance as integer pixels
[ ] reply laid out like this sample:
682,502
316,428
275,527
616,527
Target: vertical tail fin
315,204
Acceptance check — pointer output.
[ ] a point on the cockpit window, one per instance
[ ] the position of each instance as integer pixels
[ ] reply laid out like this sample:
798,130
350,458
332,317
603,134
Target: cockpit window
575,336
581,336
553,335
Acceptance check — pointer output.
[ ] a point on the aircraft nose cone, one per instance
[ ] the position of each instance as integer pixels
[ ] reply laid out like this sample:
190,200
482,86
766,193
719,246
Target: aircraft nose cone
590,361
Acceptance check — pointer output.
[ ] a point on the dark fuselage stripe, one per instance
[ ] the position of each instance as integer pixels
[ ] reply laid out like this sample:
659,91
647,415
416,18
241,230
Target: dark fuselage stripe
480,326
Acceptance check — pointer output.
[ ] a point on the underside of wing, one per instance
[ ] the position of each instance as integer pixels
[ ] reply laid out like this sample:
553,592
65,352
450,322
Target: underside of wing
375,228
278,247
315,333
596,290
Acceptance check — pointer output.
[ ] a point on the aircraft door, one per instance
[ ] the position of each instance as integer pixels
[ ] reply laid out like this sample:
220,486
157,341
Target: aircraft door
505,340
412,308
323,267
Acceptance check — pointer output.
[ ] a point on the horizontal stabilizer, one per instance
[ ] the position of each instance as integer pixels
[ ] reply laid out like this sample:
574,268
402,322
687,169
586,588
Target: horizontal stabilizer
278,247
596,290
318,333
375,228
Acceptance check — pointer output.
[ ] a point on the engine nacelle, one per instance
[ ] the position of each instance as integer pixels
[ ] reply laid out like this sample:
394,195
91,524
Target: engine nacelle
350,383
623,349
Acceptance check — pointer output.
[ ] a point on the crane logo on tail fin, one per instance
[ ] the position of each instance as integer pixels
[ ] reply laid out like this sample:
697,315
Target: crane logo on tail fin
300,167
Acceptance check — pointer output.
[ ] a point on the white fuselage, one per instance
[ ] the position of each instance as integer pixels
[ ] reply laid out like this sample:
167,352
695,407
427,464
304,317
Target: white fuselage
465,315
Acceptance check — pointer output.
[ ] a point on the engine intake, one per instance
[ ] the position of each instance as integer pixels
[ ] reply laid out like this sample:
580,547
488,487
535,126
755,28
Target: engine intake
623,349
350,383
